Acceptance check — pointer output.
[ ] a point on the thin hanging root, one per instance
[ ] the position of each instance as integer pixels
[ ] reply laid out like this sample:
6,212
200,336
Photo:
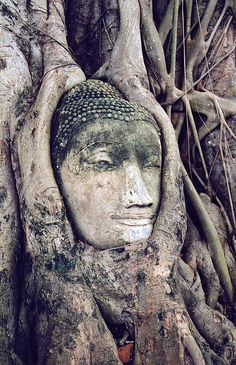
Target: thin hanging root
211,235
181,120
173,51
167,21
207,127
174,41
195,134
213,32
166,24
219,45
179,125
107,33
223,123
153,44
203,25
226,173
192,93
189,8
196,49
212,67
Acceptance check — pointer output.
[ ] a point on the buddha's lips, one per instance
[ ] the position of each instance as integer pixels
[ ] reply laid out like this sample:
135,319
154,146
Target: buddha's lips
134,219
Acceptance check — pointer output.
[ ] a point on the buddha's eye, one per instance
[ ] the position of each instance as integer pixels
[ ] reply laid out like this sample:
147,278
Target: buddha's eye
152,162
102,161
103,165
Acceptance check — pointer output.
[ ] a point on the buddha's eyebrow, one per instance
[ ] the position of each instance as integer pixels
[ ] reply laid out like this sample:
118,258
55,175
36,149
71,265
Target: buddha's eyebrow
150,146
96,144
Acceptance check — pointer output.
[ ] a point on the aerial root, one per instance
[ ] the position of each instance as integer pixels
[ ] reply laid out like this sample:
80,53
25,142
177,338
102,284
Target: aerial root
153,45
193,350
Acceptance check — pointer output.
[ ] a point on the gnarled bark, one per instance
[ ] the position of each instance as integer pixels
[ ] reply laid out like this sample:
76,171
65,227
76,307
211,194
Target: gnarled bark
164,293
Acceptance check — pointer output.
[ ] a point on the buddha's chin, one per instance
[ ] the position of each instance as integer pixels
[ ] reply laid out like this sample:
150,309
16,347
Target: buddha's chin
137,233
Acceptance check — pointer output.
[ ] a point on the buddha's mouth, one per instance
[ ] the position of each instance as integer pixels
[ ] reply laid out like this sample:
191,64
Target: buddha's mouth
134,220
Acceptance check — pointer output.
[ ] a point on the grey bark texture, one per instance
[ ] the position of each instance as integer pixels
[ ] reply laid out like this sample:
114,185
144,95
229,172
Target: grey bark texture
174,293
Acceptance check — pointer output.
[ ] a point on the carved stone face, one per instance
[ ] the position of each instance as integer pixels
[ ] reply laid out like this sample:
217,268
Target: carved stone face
111,181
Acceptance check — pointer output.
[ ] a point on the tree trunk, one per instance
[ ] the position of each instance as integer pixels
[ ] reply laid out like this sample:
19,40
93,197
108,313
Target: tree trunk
170,299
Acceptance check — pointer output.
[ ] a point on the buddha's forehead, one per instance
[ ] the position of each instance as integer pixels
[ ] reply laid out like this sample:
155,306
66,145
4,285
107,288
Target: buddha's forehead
83,107
117,133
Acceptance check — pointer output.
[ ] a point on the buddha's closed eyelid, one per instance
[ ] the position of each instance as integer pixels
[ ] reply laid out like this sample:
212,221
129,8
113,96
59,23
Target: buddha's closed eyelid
102,152
149,154
101,160
99,156
152,161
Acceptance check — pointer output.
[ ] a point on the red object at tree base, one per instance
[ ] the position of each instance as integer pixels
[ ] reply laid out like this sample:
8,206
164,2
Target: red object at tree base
126,353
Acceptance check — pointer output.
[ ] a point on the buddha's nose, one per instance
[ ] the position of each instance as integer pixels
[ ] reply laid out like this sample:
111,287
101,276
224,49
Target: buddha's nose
135,190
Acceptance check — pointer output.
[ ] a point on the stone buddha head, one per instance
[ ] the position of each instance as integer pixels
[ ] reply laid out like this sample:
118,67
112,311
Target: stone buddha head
107,157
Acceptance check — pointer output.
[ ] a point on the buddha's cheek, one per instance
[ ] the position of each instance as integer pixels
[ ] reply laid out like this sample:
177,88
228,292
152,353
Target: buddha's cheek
92,202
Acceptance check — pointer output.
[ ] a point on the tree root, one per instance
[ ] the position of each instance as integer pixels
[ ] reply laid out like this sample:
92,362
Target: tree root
203,102
48,233
194,351
153,45
195,134
132,62
212,238
196,47
47,230
213,326
196,255
13,85
166,25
